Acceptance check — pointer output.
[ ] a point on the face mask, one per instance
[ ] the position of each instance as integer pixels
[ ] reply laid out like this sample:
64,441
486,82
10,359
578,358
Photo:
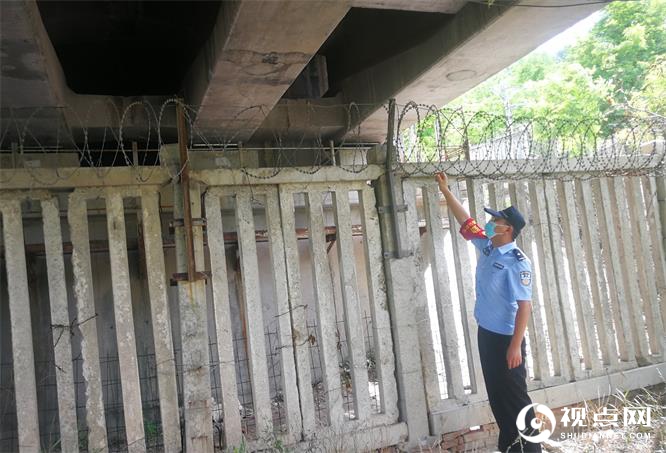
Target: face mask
490,229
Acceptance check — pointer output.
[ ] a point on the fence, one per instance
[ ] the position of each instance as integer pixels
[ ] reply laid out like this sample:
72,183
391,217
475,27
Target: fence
300,322
598,302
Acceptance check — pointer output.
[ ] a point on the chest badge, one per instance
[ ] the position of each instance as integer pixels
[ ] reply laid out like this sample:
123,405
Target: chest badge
525,278
498,265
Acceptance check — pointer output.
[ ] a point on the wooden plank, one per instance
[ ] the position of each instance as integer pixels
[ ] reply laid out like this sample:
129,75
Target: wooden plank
351,304
442,287
628,265
420,298
379,311
233,435
124,327
548,282
645,265
651,202
323,292
298,312
280,289
62,347
611,260
581,293
536,325
77,215
25,385
594,267
255,319
161,320
466,295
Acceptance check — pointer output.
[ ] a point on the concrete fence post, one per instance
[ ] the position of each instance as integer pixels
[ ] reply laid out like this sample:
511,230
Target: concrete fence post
401,278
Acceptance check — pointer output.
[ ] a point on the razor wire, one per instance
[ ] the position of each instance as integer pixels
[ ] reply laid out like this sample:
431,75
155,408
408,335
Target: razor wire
428,139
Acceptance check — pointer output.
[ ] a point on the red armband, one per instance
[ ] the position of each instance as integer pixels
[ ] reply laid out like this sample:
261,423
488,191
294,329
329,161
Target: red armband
471,230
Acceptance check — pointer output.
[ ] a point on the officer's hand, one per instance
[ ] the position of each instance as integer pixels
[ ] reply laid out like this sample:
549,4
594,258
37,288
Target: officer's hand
513,356
442,180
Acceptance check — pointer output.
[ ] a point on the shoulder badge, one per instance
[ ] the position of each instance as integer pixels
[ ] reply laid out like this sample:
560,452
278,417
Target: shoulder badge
519,255
525,278
487,249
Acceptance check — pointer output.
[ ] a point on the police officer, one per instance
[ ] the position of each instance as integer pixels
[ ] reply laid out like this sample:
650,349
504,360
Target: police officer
503,307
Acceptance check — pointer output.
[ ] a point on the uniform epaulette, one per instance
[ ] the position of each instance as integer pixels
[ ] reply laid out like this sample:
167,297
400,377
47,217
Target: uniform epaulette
487,249
519,255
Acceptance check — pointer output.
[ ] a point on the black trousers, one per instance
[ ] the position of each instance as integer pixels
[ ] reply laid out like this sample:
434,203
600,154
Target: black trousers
507,390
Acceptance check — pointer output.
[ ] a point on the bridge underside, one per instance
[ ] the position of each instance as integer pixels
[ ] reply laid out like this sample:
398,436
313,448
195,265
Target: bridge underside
252,70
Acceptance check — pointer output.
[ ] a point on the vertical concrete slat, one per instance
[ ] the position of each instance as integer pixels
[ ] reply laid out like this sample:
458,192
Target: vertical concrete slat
442,287
233,434
122,309
466,294
631,303
381,322
255,319
548,282
297,311
77,215
594,267
645,266
193,332
536,325
62,347
420,300
581,294
572,352
161,320
351,304
25,384
614,278
288,366
654,221
323,293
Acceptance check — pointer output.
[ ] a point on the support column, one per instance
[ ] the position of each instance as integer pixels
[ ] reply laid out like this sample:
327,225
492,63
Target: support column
190,265
401,277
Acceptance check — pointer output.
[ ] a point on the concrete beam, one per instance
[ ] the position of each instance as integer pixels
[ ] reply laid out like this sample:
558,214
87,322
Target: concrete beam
34,93
428,6
478,42
256,50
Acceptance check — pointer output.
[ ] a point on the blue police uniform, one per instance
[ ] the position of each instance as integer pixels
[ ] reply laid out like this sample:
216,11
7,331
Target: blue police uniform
503,277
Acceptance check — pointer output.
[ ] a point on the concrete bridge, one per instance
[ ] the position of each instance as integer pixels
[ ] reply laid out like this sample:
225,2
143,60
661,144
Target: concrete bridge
257,69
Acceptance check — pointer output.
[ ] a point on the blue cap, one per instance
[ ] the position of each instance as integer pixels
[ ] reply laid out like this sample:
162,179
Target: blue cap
512,216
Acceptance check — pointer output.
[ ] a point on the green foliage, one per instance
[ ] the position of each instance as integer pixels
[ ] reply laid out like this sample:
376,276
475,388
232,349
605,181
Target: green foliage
579,95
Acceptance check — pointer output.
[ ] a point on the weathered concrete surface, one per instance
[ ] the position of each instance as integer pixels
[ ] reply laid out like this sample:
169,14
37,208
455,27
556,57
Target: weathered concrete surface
77,215
194,334
69,436
241,66
430,6
478,42
161,320
21,327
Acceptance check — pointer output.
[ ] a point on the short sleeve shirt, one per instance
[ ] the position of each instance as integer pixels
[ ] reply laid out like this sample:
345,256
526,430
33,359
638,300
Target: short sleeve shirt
503,277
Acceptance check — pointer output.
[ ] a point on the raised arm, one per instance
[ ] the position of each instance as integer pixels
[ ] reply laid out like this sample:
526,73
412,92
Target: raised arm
452,202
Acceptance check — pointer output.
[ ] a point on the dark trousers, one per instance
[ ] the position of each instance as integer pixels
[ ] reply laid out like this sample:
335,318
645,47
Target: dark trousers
507,390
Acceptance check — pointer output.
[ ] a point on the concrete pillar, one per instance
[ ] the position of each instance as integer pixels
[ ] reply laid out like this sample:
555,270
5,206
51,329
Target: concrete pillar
400,280
194,332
